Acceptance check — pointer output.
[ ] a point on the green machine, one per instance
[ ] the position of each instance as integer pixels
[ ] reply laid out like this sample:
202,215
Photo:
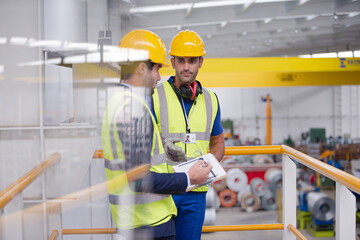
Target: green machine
317,135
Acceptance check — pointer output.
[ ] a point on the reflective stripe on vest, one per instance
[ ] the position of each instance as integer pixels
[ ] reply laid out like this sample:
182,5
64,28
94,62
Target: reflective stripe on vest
115,166
171,121
135,198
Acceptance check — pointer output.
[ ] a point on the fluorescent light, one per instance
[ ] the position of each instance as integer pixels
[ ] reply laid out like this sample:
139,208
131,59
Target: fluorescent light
357,53
138,55
311,17
347,54
163,27
353,14
93,57
160,8
1,68
75,59
84,46
18,40
305,56
40,62
267,20
45,43
301,2
3,40
32,63
202,4
325,55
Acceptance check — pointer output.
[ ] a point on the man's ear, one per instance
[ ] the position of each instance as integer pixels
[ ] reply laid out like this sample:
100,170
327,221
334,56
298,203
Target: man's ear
201,60
141,69
173,62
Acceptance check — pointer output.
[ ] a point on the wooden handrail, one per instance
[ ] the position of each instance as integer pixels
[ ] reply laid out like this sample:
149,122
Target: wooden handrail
54,234
297,233
253,150
11,191
89,231
325,169
243,150
275,226
98,191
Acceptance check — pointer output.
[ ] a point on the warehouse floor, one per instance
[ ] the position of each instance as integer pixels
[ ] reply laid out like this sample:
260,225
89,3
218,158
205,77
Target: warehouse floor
235,216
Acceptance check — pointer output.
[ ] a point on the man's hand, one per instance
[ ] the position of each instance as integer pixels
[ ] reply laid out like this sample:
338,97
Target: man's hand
199,172
173,152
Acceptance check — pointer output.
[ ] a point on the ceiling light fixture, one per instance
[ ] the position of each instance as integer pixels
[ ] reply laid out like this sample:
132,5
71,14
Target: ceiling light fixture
347,54
202,4
325,55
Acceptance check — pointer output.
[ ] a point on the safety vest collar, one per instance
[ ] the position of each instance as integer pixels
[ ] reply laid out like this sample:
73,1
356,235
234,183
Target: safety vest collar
164,90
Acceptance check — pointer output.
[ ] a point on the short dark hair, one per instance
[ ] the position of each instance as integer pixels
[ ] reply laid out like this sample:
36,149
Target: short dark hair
178,56
128,70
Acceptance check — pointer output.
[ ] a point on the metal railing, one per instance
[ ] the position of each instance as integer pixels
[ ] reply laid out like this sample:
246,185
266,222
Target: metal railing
345,200
14,189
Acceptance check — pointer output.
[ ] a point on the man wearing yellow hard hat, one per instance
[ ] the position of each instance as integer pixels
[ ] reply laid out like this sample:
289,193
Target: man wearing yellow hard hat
188,116
143,209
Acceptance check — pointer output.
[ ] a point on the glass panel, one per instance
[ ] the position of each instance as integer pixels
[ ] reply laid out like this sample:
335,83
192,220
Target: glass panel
19,151
76,147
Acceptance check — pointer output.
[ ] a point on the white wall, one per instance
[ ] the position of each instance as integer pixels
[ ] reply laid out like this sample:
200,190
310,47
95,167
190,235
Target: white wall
294,110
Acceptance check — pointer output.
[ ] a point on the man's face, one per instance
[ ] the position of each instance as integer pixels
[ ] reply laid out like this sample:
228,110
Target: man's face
186,68
152,77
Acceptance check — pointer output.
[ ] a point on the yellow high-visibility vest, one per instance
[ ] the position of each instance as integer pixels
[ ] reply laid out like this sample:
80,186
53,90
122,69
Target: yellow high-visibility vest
172,123
132,209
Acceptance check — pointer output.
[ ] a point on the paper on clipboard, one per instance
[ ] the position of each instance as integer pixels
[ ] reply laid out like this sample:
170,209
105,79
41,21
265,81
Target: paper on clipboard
216,173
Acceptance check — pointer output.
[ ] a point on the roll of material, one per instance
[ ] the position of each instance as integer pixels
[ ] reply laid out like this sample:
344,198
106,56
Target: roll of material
262,159
227,198
228,162
273,177
245,189
321,206
210,216
236,179
211,198
219,185
258,187
248,201
217,206
268,201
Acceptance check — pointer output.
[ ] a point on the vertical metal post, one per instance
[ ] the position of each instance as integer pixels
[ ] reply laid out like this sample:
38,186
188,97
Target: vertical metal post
345,213
288,196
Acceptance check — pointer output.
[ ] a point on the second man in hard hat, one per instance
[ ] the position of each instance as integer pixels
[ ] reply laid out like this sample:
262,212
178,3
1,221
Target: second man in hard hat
188,117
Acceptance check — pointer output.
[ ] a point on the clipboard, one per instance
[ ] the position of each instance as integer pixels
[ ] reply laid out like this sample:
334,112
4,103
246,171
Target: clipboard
217,172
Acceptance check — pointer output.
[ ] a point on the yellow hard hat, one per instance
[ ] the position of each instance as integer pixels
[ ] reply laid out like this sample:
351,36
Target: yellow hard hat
146,40
187,44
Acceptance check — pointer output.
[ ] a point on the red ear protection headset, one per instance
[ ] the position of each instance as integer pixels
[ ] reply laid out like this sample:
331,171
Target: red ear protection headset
189,91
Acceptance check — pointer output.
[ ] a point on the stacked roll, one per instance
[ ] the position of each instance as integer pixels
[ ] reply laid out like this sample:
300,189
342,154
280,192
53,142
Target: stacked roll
251,197
273,177
227,198
321,206
236,179
258,186
248,201
211,204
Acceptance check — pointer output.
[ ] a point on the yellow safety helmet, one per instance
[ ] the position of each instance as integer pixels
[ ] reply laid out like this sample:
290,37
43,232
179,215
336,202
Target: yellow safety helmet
187,44
146,40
